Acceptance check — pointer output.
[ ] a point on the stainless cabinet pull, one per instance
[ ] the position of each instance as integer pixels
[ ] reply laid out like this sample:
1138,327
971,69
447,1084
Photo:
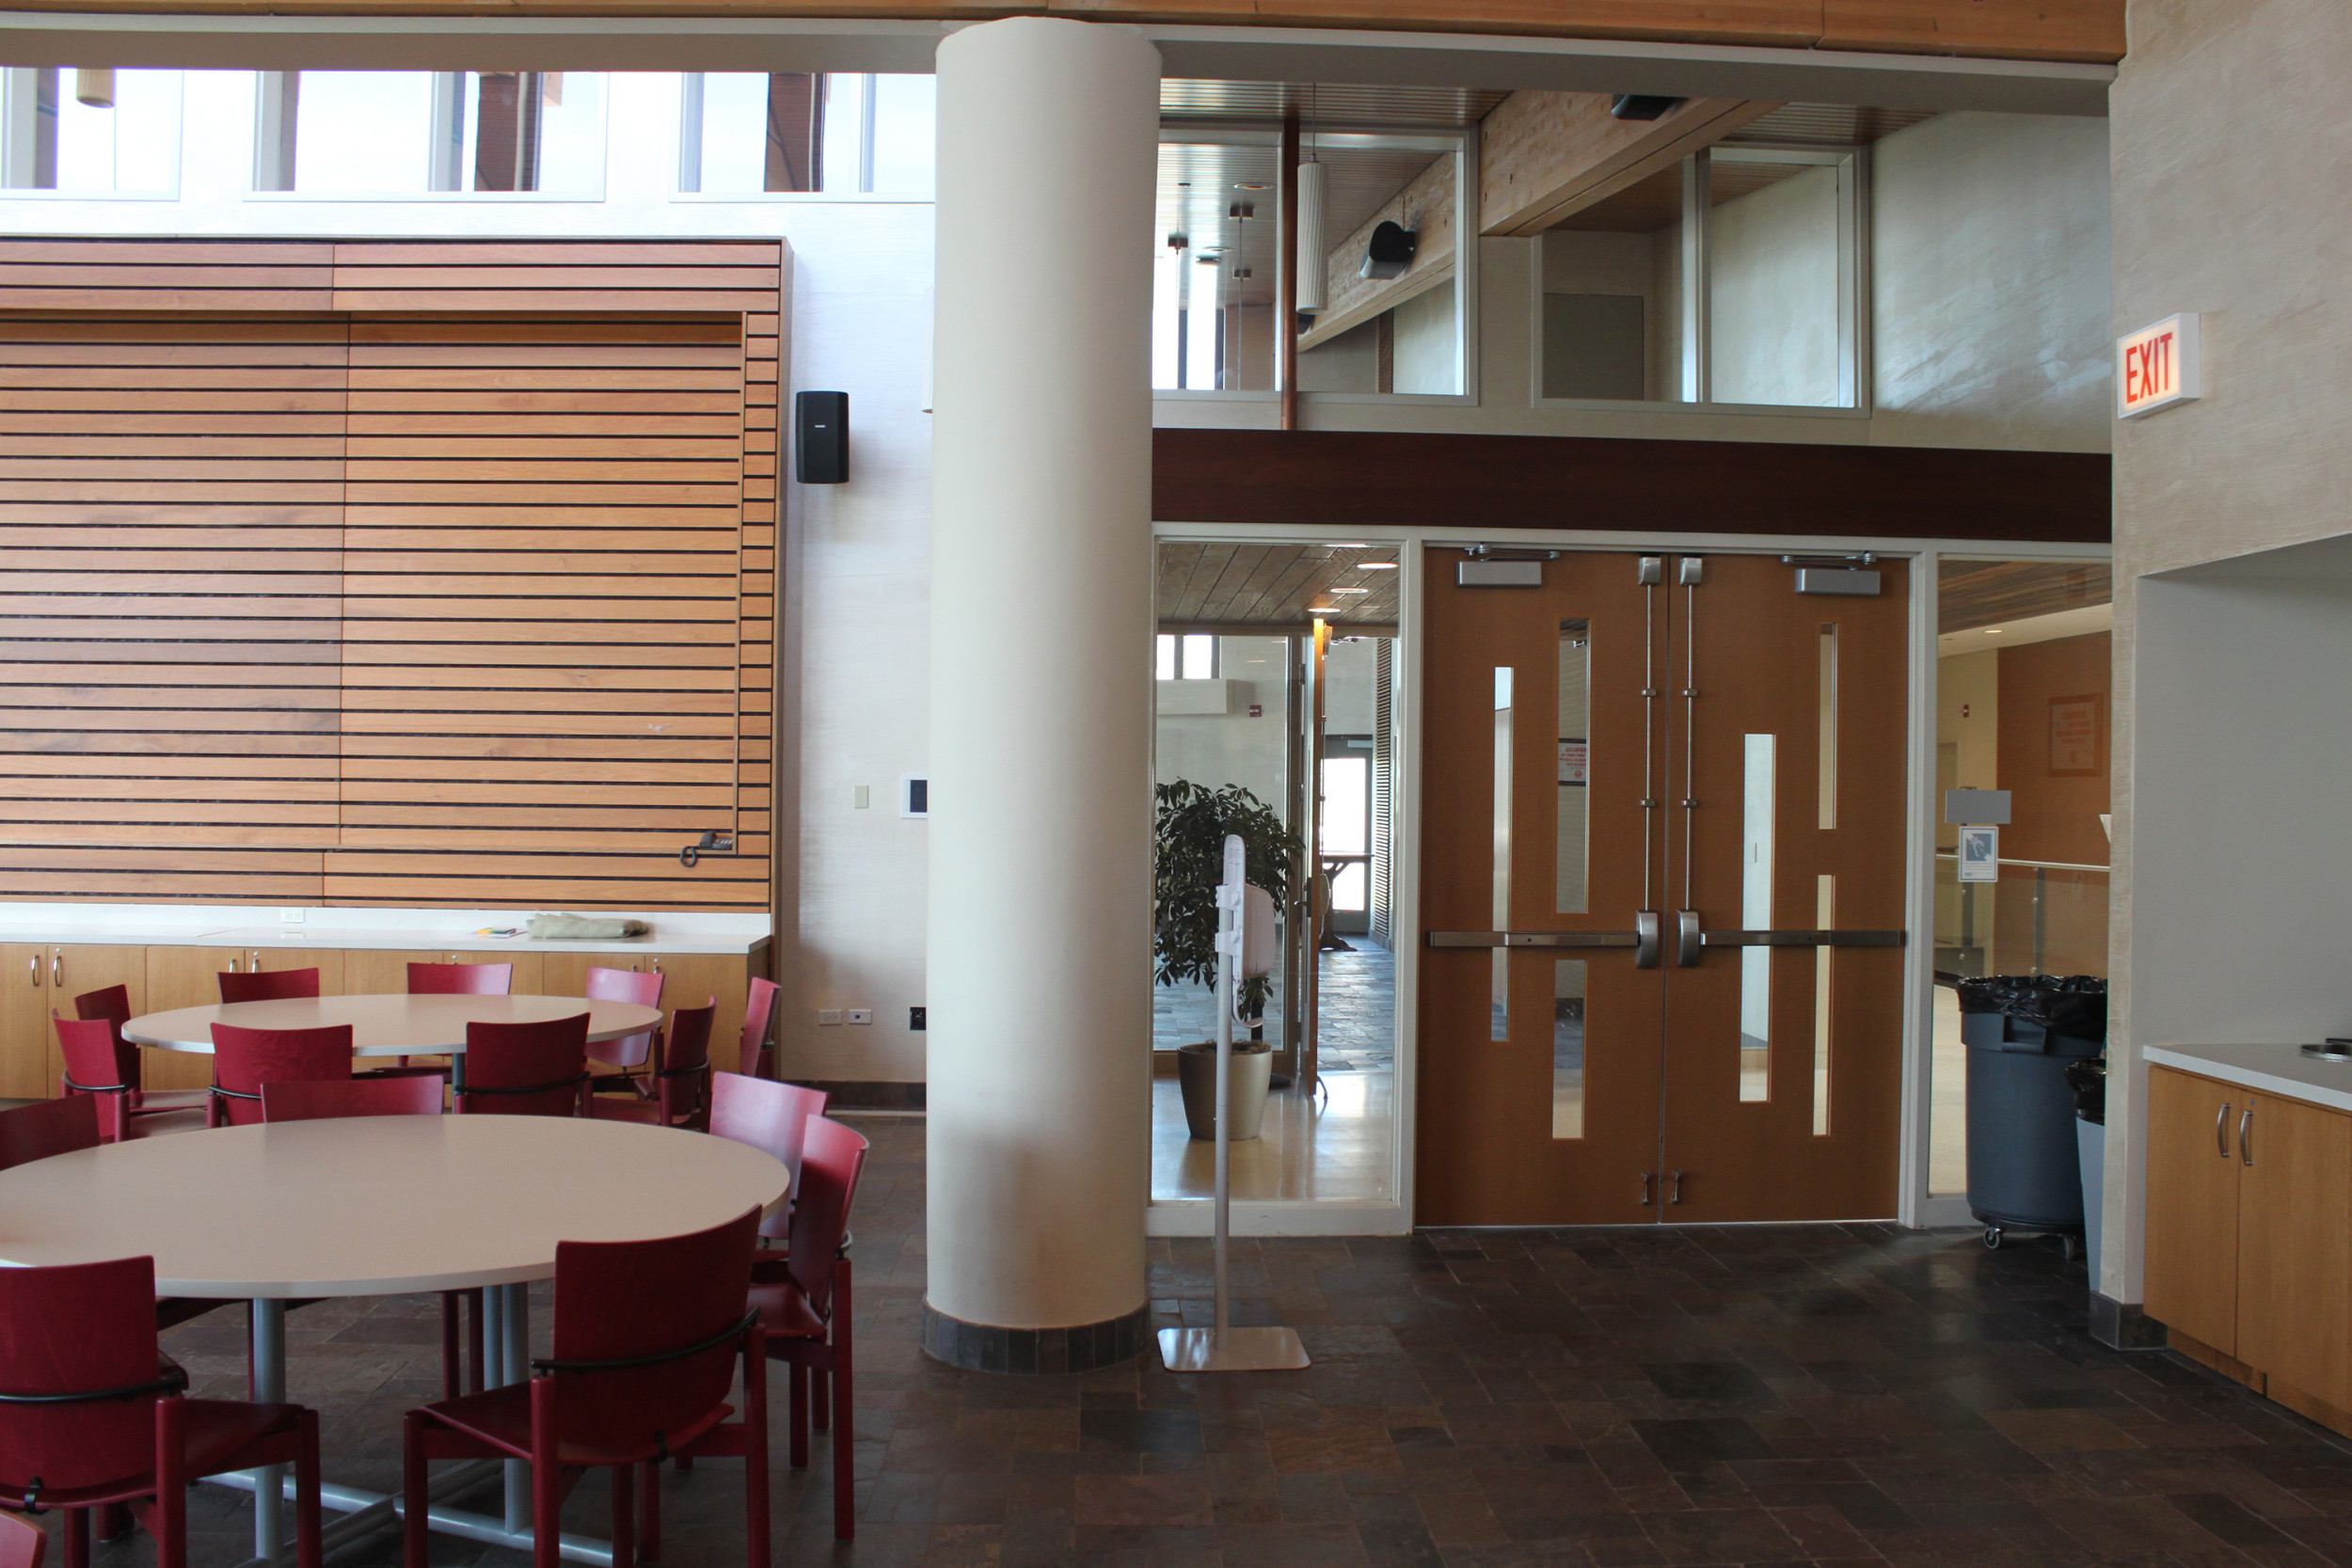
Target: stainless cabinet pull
57,969
236,966
33,969
1647,1200
2221,1131
2245,1134
1677,1197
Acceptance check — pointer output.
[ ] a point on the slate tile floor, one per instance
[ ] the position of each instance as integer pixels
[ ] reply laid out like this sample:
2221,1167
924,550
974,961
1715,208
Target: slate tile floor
1479,1400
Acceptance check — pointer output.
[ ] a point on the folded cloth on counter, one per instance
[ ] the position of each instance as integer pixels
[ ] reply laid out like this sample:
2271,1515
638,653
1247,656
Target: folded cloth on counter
580,928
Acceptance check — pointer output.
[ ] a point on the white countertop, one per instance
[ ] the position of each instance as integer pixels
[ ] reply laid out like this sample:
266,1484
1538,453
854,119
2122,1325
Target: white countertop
388,929
2280,1069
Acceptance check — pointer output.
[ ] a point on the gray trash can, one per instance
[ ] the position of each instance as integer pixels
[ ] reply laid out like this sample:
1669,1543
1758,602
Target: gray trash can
2022,1032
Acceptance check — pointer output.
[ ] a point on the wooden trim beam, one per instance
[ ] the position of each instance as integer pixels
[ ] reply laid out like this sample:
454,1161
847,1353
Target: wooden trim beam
1545,155
1400,479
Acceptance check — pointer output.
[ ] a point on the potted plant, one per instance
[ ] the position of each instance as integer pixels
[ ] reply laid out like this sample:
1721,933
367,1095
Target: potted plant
1192,823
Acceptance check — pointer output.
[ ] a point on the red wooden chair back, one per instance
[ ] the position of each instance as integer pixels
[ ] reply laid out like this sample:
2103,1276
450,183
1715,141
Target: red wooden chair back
686,1062
461,980
268,985
624,985
47,1127
295,1099
91,1069
526,1070
769,1115
23,1543
621,1301
113,1004
244,1059
757,1009
79,1328
832,1157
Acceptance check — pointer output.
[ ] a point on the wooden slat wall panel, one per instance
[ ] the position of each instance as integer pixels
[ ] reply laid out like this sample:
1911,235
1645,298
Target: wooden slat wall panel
420,588
170,597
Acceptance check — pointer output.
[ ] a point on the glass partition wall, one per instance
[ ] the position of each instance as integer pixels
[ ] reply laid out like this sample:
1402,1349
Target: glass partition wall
1277,672
2022,679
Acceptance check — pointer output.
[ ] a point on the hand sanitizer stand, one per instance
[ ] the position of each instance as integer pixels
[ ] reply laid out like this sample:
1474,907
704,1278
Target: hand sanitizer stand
1225,1348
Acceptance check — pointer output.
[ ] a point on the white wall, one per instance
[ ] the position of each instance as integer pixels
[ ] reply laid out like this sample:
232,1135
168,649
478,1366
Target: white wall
1215,750
1773,293
1421,357
1990,274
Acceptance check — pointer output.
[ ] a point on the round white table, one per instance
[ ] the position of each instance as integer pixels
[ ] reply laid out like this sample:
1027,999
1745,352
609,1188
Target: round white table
377,1206
395,1025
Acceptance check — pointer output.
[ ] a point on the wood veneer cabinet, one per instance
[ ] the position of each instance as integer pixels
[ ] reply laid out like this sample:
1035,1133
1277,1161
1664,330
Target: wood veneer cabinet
38,978
2250,1238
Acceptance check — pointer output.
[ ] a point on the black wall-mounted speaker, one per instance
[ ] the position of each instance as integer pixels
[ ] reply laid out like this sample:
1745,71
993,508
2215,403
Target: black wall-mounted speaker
820,445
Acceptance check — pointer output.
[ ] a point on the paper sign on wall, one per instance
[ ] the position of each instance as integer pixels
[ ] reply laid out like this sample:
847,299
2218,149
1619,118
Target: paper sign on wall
2156,367
1572,762
1979,854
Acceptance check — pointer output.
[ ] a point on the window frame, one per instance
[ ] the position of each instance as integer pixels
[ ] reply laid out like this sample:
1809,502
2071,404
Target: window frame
1852,162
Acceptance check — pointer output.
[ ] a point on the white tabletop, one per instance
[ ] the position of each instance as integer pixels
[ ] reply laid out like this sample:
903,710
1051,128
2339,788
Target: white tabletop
388,1025
370,1206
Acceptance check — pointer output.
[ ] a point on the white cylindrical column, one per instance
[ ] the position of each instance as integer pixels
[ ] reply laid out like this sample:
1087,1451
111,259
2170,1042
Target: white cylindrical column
1041,567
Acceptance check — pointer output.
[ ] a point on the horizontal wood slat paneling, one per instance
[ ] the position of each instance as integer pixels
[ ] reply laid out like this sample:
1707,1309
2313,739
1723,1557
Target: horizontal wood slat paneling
364,572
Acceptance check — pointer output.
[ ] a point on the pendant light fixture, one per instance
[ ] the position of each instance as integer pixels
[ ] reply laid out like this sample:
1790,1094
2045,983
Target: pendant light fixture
94,86
1312,249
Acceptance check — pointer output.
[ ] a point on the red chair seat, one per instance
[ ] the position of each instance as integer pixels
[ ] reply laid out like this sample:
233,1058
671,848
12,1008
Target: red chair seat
501,1418
221,1434
785,1312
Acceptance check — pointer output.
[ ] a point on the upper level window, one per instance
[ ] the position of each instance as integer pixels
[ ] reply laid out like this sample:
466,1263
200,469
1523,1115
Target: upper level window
1729,279
91,131
782,132
364,133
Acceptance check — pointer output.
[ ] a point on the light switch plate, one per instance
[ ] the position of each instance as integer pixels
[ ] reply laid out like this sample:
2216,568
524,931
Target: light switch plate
861,1015
291,917
828,1015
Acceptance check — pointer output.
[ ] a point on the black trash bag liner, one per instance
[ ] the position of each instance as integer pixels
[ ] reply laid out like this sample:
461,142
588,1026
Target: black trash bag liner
2088,1080
2073,1004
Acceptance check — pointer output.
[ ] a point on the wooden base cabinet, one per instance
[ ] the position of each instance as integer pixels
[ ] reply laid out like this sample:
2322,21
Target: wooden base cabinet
2250,1236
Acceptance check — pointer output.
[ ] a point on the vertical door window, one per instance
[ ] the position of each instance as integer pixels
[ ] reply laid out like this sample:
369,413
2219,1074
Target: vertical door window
1828,792
1498,1011
1824,919
1575,818
1568,1048
1755,913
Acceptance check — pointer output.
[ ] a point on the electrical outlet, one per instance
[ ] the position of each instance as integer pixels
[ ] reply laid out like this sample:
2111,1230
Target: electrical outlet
862,797
291,917
861,1015
828,1015
918,1019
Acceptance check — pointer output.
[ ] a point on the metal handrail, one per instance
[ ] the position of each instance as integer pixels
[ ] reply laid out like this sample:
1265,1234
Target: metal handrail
2036,865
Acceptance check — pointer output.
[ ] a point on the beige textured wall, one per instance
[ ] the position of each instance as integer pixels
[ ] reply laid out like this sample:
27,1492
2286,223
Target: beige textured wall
2232,170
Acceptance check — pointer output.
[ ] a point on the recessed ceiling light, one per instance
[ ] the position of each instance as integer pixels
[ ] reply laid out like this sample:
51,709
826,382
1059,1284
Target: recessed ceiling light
1248,188
1376,566
1993,631
1347,589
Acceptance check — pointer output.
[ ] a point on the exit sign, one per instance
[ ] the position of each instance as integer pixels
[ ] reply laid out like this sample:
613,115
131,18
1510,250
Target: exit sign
2155,367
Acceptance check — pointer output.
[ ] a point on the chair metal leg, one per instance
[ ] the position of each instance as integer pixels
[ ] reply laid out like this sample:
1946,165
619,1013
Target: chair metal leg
414,1503
624,1516
308,1551
547,1480
115,1522
844,1423
649,1511
76,1527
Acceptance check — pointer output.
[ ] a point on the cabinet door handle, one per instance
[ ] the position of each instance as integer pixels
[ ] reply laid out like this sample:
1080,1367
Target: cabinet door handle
2245,1134
33,969
2221,1131
57,969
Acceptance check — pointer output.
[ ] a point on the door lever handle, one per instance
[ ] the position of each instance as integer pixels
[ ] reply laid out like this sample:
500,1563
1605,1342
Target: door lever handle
1689,938
1646,939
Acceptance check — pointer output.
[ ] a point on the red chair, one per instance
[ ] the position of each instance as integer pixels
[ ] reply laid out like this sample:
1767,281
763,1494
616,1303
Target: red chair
630,1052
94,1070
21,1544
648,1339
48,1127
768,1115
681,1074
757,1009
113,1004
94,1415
526,1070
244,1059
802,1299
297,1100
461,980
268,985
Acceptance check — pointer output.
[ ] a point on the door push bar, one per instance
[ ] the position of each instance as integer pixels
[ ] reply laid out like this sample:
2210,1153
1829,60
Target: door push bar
1689,937
1643,939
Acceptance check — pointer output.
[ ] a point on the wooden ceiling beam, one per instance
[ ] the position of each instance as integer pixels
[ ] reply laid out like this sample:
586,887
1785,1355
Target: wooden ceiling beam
1546,155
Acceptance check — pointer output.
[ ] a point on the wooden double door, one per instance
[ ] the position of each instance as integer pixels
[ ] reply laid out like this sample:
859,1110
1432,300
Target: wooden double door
1663,883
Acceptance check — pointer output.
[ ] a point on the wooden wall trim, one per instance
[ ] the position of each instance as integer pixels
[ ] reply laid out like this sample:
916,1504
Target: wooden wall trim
1393,479
2087,31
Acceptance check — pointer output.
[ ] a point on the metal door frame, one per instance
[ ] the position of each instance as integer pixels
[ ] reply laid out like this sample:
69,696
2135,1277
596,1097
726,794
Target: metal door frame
1916,1207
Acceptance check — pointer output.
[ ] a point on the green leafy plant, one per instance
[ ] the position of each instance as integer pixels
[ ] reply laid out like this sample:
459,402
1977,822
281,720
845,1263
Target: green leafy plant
1191,825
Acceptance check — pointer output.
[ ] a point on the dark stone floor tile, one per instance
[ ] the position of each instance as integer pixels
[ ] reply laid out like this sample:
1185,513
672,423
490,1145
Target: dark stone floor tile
1684,1443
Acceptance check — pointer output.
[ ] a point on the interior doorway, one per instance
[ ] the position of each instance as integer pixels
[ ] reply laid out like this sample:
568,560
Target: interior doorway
1662,888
